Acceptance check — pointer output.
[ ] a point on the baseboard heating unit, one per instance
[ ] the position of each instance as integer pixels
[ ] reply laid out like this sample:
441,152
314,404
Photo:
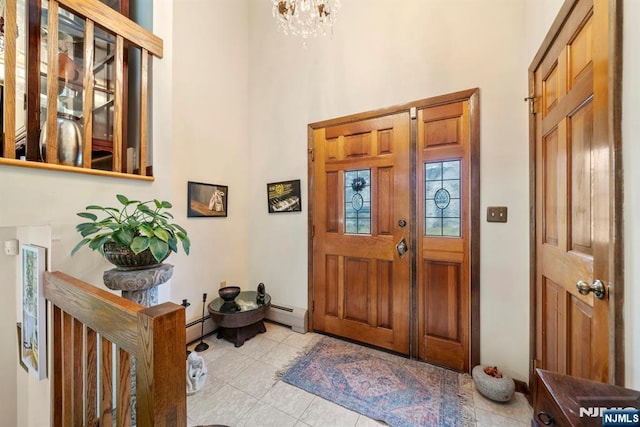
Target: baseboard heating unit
295,317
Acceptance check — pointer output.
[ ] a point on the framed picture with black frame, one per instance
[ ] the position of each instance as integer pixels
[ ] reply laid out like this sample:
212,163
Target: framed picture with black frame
284,196
207,200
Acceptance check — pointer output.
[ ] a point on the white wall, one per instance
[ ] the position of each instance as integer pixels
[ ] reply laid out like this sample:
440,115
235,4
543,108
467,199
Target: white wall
383,54
539,17
211,128
9,357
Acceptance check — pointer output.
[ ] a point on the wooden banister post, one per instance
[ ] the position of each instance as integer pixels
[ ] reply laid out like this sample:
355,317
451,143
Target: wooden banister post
161,390
9,106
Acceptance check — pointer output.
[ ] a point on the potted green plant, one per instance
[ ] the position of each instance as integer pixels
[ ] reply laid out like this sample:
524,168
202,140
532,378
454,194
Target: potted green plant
135,235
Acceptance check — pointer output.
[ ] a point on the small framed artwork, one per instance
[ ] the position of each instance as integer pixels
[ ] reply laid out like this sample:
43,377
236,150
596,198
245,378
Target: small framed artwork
34,322
207,200
284,196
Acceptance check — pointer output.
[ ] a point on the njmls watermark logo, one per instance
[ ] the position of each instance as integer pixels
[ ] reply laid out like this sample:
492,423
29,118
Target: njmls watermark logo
621,417
623,411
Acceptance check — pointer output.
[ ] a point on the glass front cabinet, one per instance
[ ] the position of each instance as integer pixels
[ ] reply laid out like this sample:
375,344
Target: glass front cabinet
87,112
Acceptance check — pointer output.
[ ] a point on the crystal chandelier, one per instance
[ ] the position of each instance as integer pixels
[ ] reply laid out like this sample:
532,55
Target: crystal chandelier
305,18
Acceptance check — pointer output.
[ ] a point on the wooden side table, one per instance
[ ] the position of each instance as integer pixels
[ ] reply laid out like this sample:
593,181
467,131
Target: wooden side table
236,325
558,399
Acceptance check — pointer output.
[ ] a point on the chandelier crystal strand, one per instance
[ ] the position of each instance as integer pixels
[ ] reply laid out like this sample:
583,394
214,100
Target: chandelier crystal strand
305,18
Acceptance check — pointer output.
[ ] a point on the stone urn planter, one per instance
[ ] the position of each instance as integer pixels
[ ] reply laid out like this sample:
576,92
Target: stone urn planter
493,384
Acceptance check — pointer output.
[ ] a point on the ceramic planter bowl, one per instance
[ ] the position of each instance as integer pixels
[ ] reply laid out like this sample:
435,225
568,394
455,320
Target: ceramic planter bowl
125,259
498,389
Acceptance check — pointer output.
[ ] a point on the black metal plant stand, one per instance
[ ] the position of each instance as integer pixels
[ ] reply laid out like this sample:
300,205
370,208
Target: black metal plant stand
202,346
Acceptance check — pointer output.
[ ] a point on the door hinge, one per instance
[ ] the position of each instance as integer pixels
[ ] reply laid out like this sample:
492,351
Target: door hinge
313,306
532,104
535,364
413,113
311,154
313,231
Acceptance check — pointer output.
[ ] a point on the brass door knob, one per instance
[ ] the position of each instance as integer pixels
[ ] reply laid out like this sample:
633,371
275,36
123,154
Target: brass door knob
597,287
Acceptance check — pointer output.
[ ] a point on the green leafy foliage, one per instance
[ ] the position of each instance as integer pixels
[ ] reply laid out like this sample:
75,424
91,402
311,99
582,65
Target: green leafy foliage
138,225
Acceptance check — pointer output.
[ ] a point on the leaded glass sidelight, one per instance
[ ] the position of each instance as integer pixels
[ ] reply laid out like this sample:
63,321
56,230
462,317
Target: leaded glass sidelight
442,198
357,201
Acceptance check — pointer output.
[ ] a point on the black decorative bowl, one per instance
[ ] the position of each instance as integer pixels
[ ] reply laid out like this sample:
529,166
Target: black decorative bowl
229,293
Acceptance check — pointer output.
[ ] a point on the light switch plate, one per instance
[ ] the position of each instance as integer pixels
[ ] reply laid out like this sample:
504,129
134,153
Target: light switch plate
497,214
11,247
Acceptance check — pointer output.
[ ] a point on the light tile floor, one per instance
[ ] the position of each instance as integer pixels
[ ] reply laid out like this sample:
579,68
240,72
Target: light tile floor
242,389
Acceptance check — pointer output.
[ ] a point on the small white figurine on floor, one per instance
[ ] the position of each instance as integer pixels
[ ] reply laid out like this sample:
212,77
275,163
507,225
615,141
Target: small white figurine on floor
196,373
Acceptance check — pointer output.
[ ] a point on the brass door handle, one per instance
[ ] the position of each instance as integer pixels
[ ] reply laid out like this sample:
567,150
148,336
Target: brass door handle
597,287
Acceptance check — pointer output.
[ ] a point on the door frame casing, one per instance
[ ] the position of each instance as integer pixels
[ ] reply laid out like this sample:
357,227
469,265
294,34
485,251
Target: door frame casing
472,96
615,262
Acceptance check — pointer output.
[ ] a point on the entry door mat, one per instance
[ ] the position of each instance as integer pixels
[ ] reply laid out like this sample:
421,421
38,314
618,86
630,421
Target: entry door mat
388,388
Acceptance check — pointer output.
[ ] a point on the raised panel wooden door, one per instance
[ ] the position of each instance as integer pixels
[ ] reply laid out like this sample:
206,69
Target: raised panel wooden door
361,196
444,235
572,197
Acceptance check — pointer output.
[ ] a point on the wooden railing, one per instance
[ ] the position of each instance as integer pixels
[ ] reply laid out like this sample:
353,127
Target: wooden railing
88,323
95,14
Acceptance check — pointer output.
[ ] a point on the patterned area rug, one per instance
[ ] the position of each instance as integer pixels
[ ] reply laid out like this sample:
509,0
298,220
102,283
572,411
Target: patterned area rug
385,387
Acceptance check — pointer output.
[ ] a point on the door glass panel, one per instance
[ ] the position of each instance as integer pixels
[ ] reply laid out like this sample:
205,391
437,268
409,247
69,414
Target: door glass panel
357,201
442,198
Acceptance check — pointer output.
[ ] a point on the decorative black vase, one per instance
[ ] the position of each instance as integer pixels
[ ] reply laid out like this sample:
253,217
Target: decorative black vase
229,293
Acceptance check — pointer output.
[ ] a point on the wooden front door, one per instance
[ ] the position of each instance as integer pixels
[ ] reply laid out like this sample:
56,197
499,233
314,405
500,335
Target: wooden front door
360,214
447,231
394,226
575,193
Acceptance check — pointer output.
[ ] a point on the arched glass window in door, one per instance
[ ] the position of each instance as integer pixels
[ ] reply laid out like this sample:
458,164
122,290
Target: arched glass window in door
442,198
